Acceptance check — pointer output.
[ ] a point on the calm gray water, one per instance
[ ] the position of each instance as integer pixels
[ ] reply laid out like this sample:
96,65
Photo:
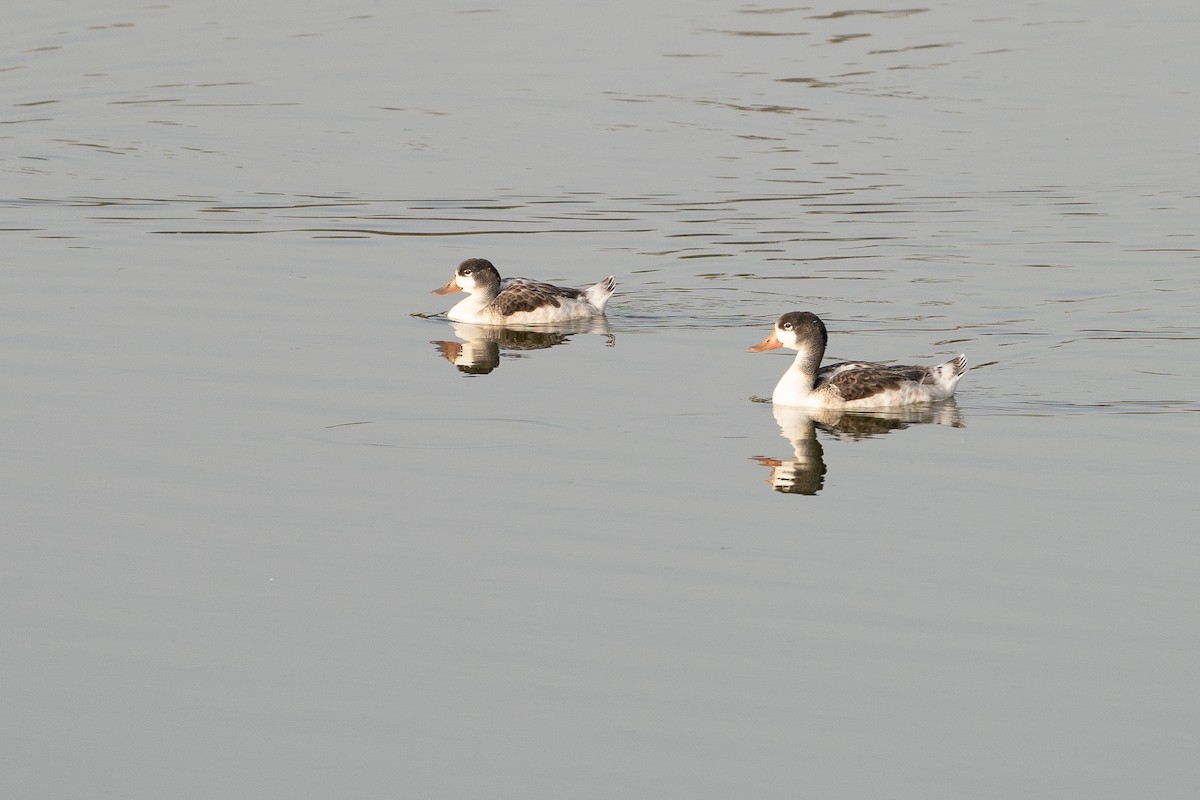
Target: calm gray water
272,528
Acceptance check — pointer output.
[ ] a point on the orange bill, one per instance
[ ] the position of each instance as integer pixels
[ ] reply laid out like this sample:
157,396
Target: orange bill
769,343
449,288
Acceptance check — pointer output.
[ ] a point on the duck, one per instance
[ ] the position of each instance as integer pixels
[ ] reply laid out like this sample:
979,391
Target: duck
492,300
850,384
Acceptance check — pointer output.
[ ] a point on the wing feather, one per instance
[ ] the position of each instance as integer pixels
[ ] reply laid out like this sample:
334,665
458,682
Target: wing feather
523,294
856,380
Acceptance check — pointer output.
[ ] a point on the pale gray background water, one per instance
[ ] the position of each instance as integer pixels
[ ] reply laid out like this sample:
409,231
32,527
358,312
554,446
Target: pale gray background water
260,539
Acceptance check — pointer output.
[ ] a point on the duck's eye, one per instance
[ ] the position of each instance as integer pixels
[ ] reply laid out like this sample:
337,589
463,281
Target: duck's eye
787,326
466,272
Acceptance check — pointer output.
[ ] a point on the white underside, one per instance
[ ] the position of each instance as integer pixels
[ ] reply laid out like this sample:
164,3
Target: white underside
906,395
471,310
794,389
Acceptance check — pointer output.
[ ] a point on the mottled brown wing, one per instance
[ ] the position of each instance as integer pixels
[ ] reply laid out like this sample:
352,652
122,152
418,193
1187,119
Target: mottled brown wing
856,380
917,374
522,294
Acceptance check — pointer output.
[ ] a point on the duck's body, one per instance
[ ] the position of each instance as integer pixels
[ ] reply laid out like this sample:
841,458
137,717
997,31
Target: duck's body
520,301
850,384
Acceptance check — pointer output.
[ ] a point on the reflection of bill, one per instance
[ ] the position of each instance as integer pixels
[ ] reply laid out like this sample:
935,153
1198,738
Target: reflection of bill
478,352
804,472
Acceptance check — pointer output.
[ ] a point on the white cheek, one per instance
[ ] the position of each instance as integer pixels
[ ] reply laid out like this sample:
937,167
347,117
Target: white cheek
466,283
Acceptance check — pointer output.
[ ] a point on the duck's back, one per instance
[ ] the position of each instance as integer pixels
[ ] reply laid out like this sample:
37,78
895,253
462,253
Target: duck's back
530,302
865,385
519,295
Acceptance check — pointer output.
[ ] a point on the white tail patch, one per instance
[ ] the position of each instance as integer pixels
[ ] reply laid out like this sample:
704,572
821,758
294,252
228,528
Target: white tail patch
599,293
947,375
960,364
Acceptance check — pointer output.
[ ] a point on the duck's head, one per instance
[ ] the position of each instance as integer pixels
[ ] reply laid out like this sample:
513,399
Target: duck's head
473,275
795,330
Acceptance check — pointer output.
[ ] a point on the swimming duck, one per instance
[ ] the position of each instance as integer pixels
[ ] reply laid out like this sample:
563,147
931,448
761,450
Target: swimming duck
520,301
850,384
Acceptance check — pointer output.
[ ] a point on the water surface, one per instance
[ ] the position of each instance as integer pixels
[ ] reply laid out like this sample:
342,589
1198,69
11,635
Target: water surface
274,528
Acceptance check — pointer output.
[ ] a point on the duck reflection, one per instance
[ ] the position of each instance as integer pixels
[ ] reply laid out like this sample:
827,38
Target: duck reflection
804,472
478,351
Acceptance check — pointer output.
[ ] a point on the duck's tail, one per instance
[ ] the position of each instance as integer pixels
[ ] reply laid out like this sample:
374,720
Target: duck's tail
599,293
947,374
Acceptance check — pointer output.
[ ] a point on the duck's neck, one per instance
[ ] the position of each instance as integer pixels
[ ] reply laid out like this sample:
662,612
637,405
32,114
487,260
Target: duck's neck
804,368
800,379
485,294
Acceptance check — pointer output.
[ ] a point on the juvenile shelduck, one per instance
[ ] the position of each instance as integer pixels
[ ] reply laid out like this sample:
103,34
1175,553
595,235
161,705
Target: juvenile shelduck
520,301
850,384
